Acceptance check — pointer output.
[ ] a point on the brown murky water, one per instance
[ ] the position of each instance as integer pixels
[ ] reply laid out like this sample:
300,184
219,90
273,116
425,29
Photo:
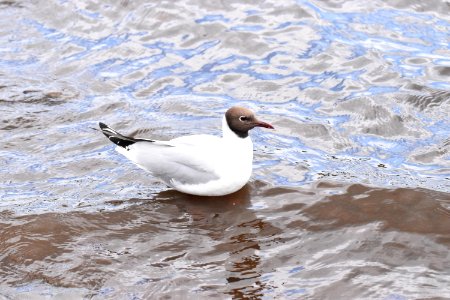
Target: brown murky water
350,197
359,242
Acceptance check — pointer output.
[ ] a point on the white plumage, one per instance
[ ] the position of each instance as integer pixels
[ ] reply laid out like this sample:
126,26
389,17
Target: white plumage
203,165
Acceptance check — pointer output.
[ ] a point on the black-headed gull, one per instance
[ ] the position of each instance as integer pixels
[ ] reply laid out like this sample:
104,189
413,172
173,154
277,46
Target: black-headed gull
203,165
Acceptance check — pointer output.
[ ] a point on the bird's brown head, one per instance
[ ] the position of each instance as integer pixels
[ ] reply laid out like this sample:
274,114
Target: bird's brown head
241,120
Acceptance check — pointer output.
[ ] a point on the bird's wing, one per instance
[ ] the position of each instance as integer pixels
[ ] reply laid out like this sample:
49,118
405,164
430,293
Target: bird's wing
186,160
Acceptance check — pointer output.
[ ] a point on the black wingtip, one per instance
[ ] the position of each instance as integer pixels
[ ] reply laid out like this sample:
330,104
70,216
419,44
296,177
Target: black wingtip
124,143
102,125
108,131
115,137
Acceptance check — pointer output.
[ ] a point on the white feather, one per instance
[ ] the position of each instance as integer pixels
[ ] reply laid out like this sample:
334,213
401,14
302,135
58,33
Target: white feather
202,165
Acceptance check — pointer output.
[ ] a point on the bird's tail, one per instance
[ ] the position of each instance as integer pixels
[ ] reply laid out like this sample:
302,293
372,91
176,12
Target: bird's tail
117,138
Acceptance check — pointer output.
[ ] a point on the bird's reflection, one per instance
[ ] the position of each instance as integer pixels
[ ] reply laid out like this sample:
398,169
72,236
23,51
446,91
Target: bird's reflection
170,230
234,227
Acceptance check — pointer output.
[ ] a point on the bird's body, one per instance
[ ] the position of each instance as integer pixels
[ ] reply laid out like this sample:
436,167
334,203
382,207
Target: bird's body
203,165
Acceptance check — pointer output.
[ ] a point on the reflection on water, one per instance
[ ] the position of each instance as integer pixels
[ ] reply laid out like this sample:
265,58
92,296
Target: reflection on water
314,242
350,194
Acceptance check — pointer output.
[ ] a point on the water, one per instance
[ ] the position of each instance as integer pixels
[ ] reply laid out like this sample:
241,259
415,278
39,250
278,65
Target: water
350,195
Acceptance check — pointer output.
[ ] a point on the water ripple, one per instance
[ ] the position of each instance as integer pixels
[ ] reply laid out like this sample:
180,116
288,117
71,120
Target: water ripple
358,93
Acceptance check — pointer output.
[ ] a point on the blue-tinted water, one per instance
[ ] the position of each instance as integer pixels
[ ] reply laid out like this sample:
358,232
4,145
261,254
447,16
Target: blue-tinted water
359,95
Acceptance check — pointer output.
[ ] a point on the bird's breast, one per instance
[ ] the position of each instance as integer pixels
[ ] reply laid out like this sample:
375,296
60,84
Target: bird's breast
236,162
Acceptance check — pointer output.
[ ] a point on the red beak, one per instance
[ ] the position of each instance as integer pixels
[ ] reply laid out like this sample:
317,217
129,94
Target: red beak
263,124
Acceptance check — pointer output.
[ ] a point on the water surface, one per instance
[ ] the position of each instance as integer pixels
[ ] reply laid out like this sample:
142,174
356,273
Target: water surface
350,194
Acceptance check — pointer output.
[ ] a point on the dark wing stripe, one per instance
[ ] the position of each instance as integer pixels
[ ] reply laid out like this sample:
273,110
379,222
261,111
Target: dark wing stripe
144,140
119,139
109,131
121,142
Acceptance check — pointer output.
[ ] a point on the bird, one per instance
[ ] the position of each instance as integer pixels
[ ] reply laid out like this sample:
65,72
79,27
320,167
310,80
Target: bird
201,165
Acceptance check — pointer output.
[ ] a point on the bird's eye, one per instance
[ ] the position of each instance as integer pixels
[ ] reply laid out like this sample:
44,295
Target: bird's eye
243,118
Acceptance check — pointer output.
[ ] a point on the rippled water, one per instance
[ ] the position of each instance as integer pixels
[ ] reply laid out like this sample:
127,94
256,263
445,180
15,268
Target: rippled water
350,196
